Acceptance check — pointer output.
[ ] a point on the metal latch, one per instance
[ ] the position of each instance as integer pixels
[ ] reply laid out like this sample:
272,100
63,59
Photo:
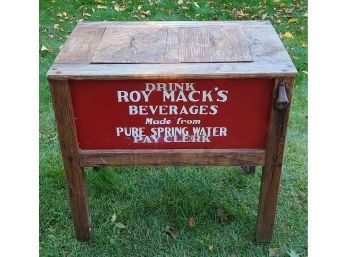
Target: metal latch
282,101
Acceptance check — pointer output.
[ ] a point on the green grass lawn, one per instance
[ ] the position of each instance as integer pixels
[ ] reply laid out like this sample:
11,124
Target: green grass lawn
131,207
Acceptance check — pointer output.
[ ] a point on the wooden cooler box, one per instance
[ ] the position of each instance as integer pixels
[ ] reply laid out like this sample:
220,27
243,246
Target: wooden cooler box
172,93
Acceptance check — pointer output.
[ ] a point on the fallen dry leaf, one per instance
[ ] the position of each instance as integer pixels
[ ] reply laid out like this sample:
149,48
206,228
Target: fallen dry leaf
196,4
145,14
44,48
223,215
300,28
171,231
119,8
210,247
240,14
192,222
288,11
120,225
292,20
288,35
180,2
264,16
113,218
82,7
56,26
139,7
101,7
272,252
62,14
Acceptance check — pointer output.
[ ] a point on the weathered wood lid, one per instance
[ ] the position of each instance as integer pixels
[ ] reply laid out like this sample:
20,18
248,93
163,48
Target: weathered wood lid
133,50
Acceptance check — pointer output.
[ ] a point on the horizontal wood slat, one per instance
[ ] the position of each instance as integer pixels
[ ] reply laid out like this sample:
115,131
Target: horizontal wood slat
182,70
80,46
212,44
177,49
110,24
210,157
161,44
132,45
265,44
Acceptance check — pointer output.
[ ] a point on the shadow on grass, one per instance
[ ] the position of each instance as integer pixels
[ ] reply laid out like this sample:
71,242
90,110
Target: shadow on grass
152,198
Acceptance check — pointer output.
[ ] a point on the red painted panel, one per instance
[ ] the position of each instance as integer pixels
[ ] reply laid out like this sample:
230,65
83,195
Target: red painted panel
226,113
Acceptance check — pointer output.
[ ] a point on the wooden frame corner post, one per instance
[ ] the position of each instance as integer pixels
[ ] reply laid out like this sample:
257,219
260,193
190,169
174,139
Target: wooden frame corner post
62,104
279,115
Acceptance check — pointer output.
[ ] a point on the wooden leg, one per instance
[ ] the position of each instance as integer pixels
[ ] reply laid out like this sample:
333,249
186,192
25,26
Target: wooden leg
74,174
273,165
79,202
267,203
248,170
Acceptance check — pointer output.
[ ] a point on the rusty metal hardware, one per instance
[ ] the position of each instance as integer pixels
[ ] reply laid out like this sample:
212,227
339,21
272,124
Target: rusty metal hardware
282,101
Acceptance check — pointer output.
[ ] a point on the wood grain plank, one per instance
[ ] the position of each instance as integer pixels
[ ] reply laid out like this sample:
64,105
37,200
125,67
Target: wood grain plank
270,58
132,45
265,44
61,100
81,45
212,44
266,68
172,45
211,157
104,24
273,164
